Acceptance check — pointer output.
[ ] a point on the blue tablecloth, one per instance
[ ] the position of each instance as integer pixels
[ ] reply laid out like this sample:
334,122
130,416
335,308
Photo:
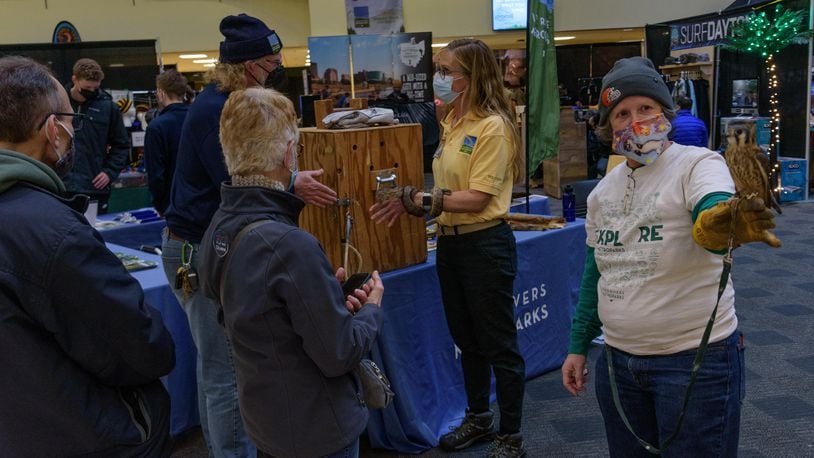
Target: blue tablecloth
414,347
132,235
538,205
416,351
181,382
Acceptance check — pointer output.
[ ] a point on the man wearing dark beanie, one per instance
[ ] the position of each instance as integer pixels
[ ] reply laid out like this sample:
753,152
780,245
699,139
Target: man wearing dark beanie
249,55
657,227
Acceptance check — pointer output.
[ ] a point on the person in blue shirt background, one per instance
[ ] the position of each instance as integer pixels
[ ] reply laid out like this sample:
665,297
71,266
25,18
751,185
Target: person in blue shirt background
687,129
163,135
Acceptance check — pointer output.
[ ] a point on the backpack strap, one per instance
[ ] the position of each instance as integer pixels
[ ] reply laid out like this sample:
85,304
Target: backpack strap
226,262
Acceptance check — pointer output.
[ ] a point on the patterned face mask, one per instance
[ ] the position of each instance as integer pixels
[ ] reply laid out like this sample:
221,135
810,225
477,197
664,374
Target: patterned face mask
643,141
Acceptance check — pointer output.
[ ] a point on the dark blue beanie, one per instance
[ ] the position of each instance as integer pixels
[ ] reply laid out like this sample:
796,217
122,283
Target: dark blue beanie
247,38
632,76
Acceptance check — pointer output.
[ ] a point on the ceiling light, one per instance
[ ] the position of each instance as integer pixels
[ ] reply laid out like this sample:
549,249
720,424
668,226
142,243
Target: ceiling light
208,65
116,65
627,30
192,56
204,61
439,45
564,38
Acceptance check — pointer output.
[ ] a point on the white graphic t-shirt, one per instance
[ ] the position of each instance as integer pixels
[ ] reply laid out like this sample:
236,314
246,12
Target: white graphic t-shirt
657,286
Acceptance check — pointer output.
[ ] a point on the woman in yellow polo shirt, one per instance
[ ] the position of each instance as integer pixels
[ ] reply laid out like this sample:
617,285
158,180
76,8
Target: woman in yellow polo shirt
474,169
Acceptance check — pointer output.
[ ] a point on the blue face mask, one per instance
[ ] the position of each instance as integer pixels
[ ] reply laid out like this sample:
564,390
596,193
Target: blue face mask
442,86
295,170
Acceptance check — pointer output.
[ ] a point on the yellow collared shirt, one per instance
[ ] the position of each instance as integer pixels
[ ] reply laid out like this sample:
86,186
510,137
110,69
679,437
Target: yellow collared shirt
476,153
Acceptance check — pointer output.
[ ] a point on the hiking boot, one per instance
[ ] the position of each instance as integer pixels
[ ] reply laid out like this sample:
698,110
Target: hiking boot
507,446
474,427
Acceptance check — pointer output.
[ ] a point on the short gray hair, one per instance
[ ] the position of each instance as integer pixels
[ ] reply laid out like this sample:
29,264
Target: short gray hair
256,126
29,93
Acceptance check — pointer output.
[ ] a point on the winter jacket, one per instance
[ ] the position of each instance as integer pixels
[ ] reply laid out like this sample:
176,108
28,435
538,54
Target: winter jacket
80,351
160,149
199,167
296,346
689,130
102,128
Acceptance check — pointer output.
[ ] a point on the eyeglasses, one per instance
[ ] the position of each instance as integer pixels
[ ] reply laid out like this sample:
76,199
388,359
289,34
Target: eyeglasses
444,71
78,120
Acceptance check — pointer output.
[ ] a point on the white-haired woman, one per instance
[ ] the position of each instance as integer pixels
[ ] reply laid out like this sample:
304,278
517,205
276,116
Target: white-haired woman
296,340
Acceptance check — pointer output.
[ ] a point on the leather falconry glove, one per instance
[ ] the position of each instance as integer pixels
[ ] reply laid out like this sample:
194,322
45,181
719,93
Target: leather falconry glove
751,220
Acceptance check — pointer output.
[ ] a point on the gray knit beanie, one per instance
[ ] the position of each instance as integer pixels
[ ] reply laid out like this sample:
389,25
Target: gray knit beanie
632,76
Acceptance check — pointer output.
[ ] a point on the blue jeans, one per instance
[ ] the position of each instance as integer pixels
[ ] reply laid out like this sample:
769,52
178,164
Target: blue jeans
651,391
349,451
477,273
217,387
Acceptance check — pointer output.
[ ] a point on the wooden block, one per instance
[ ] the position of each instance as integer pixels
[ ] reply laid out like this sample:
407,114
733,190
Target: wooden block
322,108
351,159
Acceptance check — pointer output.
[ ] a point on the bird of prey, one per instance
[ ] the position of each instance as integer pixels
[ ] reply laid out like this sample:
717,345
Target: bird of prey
748,164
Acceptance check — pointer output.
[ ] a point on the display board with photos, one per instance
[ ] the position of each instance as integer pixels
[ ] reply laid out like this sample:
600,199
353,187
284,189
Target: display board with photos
375,61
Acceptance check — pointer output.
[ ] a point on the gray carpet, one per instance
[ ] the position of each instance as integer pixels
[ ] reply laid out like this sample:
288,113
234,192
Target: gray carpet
775,304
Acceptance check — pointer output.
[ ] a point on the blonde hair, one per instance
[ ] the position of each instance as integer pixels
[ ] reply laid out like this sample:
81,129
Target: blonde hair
256,126
485,94
229,77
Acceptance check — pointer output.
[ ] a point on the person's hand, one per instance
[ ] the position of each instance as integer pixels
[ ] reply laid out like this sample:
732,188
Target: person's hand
752,221
386,212
312,191
101,180
374,296
574,374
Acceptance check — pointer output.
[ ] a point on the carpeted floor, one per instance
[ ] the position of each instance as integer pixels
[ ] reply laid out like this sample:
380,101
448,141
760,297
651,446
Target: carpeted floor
775,305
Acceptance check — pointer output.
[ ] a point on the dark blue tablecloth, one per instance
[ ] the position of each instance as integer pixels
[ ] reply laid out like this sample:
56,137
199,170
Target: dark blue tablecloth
181,382
416,351
414,347
538,205
132,235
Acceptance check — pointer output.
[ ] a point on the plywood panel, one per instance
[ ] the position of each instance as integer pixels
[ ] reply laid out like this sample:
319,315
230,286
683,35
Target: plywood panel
351,159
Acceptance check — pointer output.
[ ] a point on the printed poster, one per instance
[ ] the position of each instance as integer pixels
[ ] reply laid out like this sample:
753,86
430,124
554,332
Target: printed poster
374,17
377,61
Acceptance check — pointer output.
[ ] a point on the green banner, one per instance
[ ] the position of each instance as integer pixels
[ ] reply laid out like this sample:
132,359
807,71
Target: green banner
544,98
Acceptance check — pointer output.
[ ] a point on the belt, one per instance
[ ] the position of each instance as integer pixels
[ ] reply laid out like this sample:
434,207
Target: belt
467,228
172,236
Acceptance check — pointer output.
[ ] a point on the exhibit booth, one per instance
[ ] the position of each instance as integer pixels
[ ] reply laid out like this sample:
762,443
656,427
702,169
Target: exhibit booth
731,87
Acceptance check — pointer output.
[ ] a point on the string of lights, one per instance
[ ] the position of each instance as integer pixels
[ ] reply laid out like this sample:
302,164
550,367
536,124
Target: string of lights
765,36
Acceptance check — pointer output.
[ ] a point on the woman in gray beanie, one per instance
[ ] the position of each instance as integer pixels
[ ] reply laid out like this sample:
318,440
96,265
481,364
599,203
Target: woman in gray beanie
657,229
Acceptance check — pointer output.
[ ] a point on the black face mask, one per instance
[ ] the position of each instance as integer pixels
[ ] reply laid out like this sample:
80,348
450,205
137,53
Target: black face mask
277,80
88,94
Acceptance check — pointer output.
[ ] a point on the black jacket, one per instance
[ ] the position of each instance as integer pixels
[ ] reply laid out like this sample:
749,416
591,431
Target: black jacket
160,150
103,127
81,353
296,346
199,167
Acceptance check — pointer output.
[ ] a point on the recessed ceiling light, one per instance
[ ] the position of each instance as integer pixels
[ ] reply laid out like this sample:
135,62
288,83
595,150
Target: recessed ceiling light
204,61
116,65
627,30
439,45
208,65
192,56
564,38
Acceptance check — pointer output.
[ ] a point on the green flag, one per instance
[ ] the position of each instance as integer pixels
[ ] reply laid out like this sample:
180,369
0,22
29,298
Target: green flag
544,97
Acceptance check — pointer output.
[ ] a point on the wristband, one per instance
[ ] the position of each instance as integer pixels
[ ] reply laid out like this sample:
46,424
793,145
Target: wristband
407,195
